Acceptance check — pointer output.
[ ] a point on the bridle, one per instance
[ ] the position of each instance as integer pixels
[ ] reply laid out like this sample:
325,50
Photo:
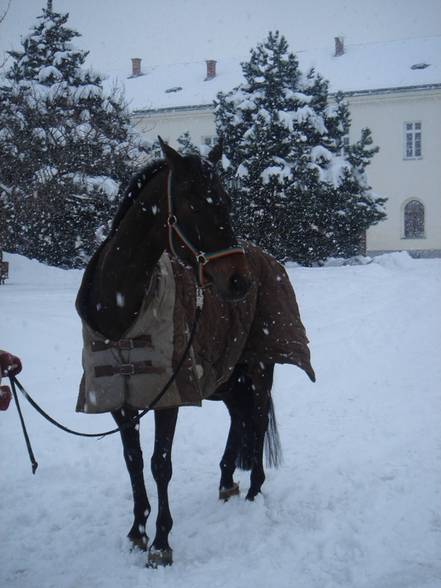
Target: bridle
202,258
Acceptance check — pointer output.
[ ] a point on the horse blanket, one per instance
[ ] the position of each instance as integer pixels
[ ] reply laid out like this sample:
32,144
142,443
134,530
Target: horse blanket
263,327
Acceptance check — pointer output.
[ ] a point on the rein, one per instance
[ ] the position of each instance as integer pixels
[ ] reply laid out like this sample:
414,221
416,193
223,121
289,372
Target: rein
201,257
131,423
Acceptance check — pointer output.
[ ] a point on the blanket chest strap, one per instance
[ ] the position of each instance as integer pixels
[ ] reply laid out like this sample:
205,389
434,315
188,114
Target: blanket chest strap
124,344
127,369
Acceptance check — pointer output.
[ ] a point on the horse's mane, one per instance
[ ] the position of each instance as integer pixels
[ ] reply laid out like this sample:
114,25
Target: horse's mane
139,180
132,191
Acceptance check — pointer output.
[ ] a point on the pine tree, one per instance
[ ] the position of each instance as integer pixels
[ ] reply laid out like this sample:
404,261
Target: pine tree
296,191
66,144
186,146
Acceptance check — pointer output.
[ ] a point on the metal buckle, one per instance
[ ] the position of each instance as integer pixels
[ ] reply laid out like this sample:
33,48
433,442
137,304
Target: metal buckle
199,297
127,369
202,259
171,220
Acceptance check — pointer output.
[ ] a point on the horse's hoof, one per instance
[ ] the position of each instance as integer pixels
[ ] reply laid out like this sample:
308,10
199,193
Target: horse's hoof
138,542
226,493
159,558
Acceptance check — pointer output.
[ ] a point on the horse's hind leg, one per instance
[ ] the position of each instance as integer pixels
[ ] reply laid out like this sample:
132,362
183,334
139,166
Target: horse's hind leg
160,552
135,465
247,396
261,381
238,402
227,486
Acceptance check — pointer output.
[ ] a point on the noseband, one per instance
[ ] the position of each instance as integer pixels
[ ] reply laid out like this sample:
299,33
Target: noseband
202,258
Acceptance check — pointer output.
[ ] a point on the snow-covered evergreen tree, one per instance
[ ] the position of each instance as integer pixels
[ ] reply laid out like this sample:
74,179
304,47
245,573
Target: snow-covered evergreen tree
186,146
66,147
298,190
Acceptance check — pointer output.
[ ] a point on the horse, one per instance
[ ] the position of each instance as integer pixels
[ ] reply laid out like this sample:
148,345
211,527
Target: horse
178,209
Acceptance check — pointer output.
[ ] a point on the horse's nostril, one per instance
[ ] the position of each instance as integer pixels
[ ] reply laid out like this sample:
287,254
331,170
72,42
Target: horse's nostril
239,285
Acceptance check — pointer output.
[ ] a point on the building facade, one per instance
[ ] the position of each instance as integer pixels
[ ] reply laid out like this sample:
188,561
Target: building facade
406,125
393,90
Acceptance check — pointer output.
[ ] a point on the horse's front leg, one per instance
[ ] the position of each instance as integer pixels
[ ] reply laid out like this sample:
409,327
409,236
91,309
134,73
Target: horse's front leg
160,552
135,466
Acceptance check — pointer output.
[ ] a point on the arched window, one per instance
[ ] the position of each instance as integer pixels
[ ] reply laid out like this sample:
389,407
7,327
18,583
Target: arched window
414,220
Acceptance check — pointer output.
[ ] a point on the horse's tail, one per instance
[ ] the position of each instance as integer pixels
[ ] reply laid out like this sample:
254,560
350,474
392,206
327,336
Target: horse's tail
273,446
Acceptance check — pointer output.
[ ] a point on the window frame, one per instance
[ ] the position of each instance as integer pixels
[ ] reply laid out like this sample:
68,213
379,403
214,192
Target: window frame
416,135
209,140
403,219
345,144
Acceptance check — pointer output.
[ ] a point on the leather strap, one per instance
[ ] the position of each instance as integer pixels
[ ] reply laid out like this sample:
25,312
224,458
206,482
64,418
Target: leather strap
123,344
127,369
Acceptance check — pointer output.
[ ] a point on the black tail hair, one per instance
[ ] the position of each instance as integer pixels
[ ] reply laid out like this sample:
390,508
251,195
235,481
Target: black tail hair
273,446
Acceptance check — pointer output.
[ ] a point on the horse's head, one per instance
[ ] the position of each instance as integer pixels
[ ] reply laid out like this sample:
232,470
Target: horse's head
199,223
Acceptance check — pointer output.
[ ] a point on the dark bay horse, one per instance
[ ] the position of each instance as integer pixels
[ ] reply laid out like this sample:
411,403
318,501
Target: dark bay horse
179,205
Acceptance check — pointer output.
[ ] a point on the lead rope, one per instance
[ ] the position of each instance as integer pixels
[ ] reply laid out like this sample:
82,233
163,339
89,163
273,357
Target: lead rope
132,422
34,463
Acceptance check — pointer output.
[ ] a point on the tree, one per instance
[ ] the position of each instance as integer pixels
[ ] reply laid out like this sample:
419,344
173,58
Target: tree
3,15
186,146
66,147
299,191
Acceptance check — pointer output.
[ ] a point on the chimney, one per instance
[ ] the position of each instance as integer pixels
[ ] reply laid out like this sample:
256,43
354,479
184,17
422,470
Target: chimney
211,69
339,46
136,67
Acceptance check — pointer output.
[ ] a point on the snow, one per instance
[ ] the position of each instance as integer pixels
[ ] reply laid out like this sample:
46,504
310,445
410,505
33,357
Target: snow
334,167
47,72
280,171
355,504
363,68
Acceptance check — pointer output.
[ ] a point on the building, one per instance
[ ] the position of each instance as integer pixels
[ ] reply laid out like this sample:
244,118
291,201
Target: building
393,88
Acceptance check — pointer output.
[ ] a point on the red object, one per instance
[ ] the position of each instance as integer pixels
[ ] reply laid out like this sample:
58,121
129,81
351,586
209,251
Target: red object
5,397
10,365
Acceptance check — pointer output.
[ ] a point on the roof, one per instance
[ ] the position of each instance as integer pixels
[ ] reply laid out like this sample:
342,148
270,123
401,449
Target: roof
362,68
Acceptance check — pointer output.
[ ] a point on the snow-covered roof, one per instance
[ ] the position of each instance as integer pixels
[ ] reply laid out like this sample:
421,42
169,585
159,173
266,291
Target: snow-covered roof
362,68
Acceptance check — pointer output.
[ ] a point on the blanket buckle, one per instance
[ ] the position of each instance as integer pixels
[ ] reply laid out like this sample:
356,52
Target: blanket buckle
199,297
127,369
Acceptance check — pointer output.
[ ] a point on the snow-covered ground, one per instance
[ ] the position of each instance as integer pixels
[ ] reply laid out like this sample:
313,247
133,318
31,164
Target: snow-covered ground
356,504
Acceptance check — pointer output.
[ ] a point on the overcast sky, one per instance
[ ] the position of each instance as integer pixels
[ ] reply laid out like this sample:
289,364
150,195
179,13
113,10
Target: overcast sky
173,31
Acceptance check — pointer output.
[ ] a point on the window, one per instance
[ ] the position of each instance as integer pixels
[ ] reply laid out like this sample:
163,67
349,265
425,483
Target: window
412,140
414,220
344,145
209,140
233,184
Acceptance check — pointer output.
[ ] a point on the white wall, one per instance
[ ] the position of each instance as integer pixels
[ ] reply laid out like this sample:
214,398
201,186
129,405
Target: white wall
171,124
390,175
395,177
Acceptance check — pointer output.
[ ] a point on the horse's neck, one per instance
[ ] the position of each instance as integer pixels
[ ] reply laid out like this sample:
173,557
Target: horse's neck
125,267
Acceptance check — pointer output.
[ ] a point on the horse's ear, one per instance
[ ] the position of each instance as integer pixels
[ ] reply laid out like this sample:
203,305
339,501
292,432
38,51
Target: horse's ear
216,153
172,157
